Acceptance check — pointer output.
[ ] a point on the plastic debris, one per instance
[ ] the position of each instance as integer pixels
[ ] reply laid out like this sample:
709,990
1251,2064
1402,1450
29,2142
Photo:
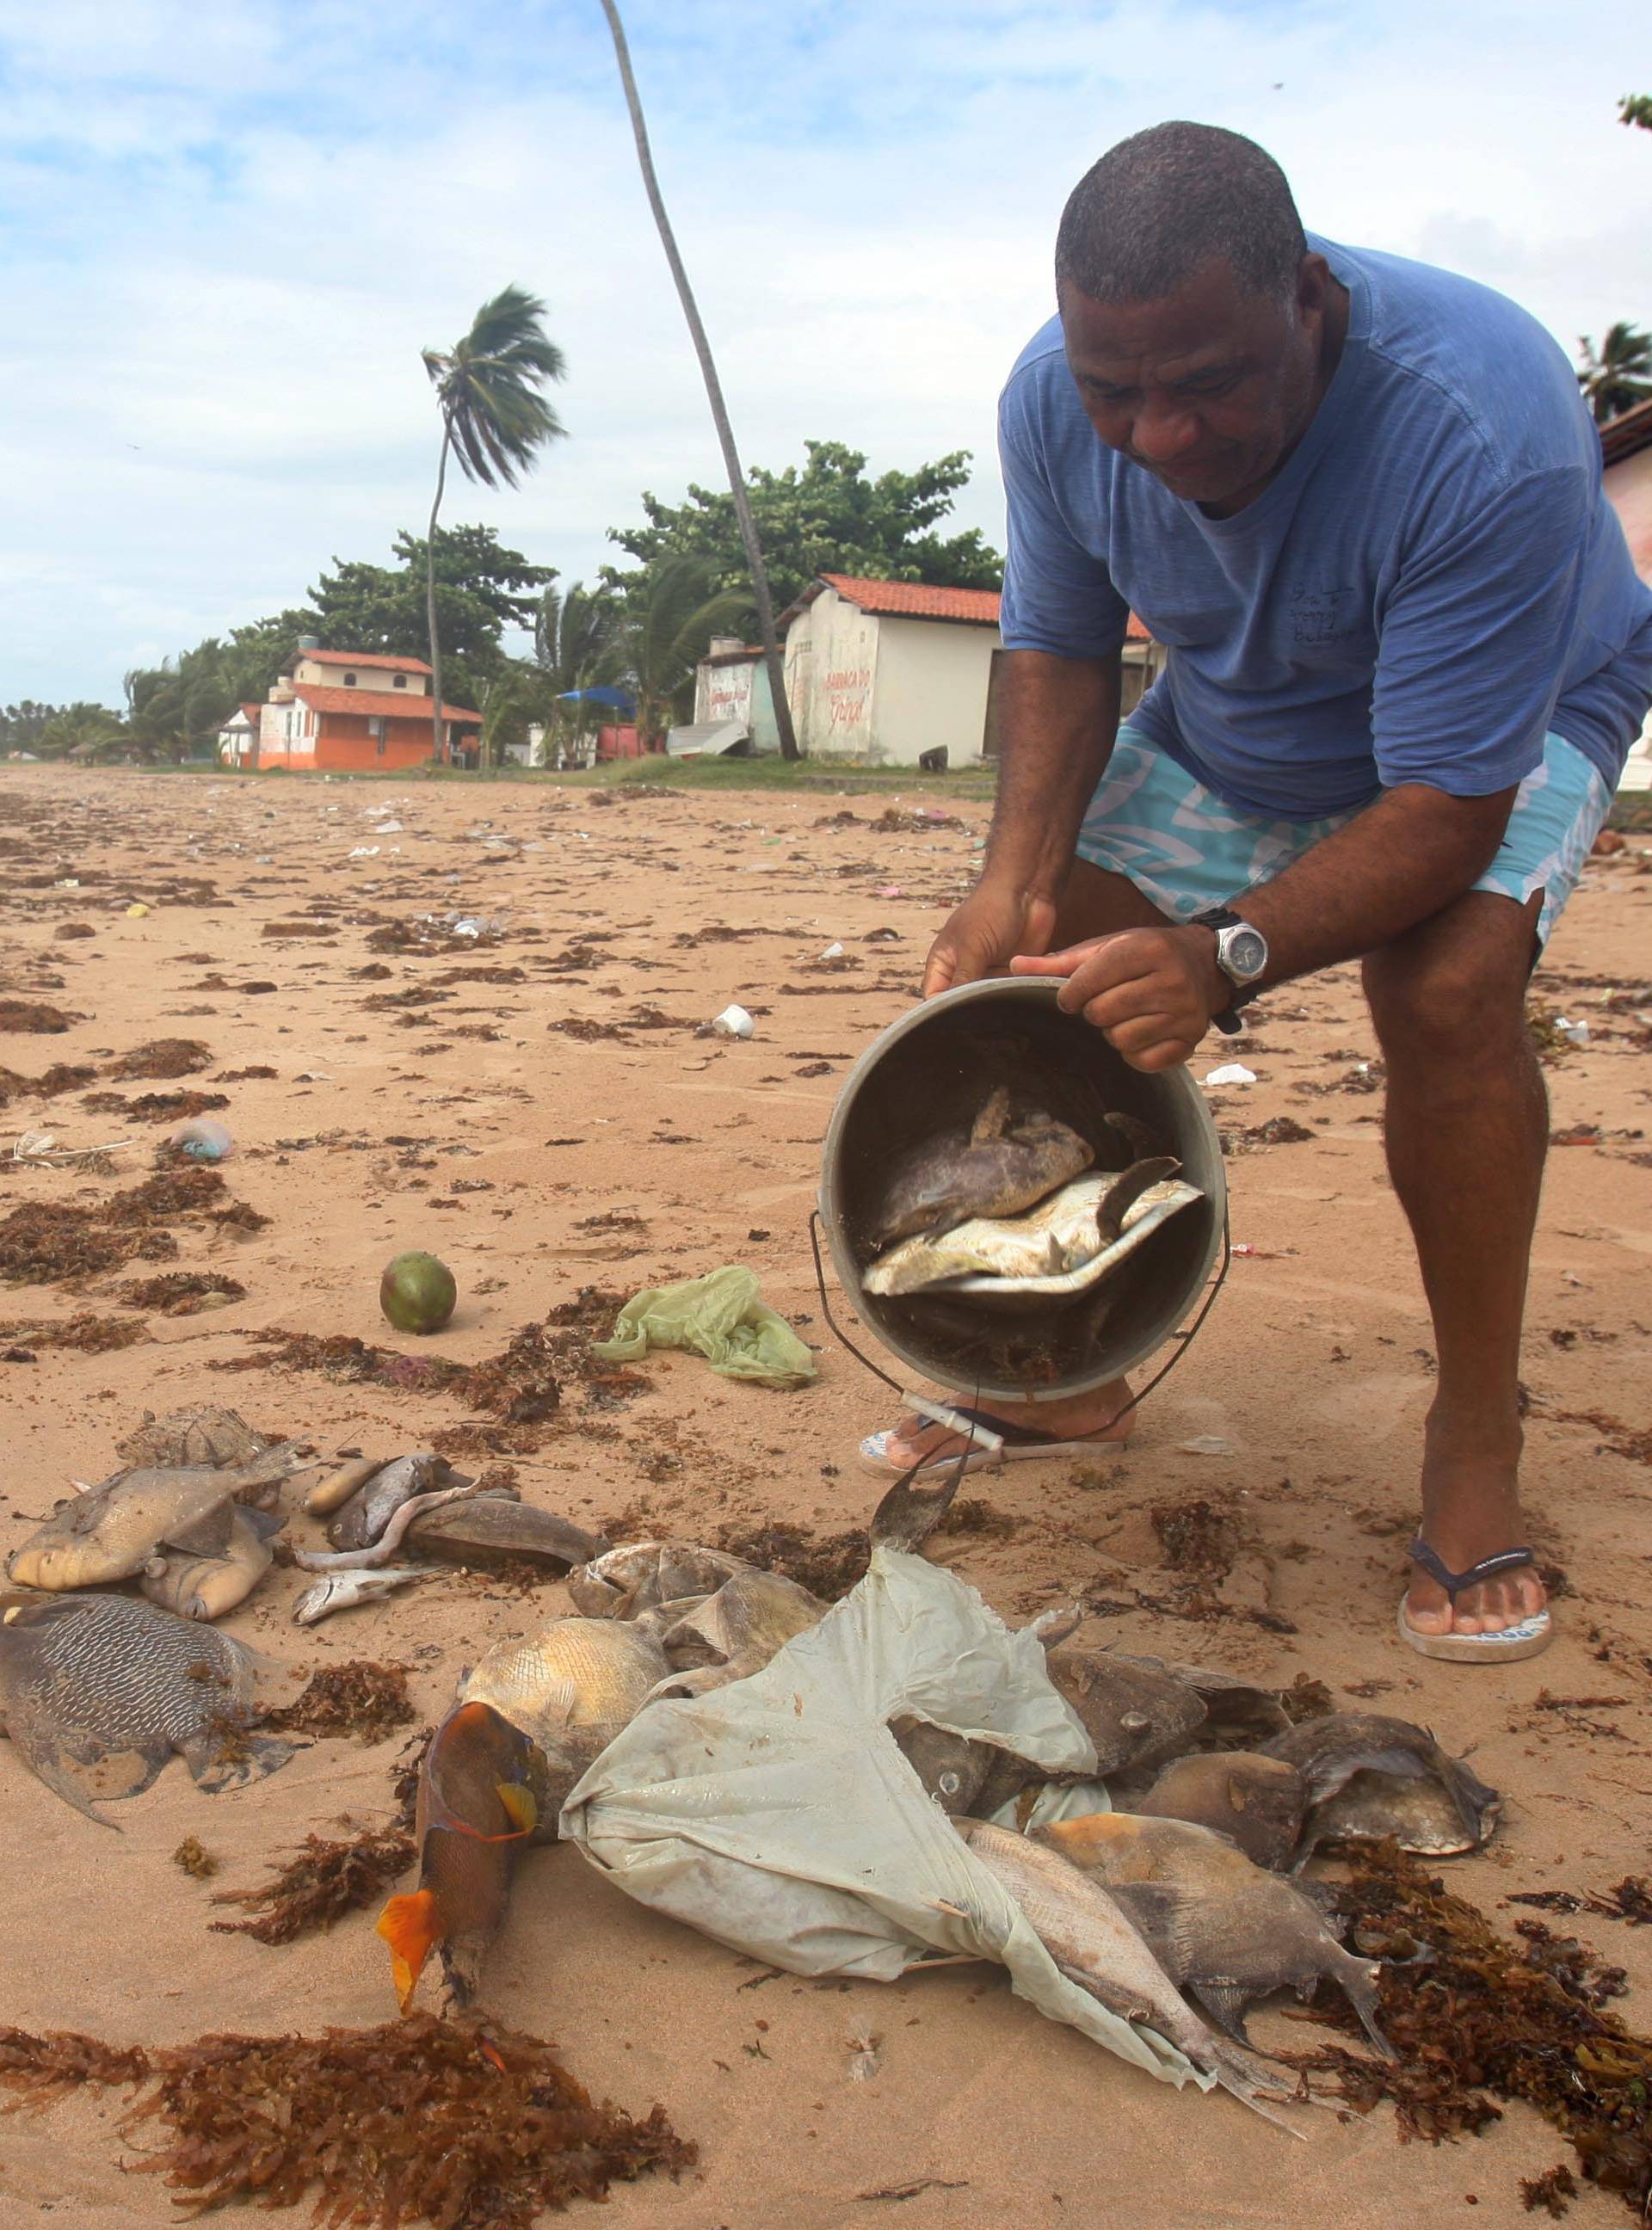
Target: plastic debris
364,852
1574,1033
388,829
1232,1071
721,1316
833,952
202,1140
136,910
1205,1444
732,1023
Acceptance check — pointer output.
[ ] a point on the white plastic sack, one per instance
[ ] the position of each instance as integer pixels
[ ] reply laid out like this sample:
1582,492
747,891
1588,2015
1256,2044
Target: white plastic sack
778,1816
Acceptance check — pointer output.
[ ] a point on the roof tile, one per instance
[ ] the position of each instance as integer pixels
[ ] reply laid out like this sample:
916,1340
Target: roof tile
379,702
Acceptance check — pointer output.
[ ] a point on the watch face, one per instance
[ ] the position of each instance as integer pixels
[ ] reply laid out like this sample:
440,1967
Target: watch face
1244,954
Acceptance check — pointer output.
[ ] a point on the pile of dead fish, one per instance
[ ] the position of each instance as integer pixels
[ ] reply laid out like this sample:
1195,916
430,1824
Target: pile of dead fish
1191,1883
1013,1207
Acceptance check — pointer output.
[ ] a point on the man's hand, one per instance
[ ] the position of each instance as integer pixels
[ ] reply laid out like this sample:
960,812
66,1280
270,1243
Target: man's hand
983,935
1150,992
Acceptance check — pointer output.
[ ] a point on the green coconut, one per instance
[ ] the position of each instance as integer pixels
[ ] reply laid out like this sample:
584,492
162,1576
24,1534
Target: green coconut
417,1293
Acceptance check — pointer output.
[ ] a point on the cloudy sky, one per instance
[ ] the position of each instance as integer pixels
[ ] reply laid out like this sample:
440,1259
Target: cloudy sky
226,231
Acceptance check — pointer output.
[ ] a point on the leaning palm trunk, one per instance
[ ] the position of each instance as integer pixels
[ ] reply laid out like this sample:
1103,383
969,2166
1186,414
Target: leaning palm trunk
431,597
759,571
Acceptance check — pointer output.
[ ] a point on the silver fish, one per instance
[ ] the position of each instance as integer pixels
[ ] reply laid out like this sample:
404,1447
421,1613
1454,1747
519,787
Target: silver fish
363,1518
345,1560
345,1591
1329,1753
98,1690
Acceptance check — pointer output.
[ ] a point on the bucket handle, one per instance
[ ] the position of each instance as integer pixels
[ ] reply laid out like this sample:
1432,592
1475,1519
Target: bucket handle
1184,1337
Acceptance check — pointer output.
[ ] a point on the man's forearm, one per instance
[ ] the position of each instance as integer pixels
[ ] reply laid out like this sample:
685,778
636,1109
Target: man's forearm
1412,851
1057,721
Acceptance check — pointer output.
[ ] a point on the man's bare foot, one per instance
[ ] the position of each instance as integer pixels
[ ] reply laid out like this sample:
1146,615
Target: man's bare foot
914,1440
1471,1509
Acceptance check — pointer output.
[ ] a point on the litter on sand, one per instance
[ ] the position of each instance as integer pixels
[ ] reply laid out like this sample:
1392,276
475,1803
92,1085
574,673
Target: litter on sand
1232,1071
732,1023
721,1316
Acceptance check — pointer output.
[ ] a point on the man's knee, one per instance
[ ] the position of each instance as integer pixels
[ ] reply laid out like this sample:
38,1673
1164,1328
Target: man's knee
1454,989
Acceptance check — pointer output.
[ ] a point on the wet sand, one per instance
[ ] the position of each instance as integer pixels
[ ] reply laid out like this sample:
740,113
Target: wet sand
560,1126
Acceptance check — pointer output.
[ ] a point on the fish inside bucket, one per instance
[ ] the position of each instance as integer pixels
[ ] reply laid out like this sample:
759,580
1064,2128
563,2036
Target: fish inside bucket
1034,1300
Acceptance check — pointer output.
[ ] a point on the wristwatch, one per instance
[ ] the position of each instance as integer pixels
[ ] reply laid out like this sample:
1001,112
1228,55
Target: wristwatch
1241,957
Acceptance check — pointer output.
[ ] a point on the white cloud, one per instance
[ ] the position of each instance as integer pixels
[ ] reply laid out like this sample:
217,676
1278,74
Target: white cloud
229,231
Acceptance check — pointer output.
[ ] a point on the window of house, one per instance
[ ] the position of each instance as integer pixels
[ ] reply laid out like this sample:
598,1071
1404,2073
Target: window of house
350,681
399,681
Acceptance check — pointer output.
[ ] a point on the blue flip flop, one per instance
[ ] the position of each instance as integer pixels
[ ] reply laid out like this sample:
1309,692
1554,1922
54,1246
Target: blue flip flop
1527,1639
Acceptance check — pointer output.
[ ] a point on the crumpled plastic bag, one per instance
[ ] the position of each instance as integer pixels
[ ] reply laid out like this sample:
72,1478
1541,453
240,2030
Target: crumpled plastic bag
719,1316
778,1814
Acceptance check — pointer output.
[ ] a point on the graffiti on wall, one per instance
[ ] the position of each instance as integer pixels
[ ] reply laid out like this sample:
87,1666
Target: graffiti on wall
848,691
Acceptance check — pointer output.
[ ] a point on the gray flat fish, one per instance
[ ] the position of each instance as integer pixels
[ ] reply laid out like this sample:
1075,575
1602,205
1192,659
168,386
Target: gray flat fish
202,1433
363,1518
749,1618
639,1576
97,1692
994,1168
110,1532
491,1529
1330,1752
1421,1815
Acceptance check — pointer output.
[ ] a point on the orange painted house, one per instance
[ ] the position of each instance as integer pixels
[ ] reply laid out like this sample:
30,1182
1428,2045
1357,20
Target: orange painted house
334,711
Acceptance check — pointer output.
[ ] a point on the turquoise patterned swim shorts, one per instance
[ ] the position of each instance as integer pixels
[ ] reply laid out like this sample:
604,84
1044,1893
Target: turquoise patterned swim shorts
1185,850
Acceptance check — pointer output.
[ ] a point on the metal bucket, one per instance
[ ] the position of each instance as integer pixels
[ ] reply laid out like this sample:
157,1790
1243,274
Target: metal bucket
930,1070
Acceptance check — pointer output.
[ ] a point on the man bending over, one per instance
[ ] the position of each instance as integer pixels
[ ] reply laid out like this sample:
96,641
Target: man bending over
1359,499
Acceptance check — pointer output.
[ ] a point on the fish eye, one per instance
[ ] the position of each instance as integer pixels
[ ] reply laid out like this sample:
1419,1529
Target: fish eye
949,1784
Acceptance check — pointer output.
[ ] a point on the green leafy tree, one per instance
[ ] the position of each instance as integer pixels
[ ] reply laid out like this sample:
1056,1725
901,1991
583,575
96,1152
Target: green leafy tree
666,621
827,518
495,420
1617,375
22,725
1636,108
574,646
480,588
74,725
175,710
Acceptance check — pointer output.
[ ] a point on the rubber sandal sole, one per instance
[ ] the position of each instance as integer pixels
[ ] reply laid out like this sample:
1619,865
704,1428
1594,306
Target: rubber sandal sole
1530,1639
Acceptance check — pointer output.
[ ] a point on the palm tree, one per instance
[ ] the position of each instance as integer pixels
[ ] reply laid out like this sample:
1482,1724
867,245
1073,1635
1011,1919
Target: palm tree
574,644
493,418
661,634
1620,375
759,571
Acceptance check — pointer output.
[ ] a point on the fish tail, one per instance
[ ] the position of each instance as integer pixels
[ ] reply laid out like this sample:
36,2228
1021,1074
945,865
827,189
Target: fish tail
411,1925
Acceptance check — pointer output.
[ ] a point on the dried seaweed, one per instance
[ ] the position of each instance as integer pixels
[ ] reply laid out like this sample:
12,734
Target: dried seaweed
42,2069
195,1859
181,1293
155,1106
1196,1537
829,1565
1476,2013
357,1698
164,1058
321,1882
63,1076
86,1334
49,1242
30,1019
1552,2191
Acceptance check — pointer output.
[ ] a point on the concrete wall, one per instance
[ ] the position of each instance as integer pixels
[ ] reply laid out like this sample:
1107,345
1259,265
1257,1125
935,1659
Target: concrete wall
831,666
738,689
368,676
285,735
930,690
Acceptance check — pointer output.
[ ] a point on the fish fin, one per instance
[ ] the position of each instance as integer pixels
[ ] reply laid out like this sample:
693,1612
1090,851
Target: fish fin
1358,1979
266,1524
230,1759
1331,1775
1473,1802
47,1762
410,1925
520,1804
993,1119
1225,2003
907,1514
206,1536
1122,1195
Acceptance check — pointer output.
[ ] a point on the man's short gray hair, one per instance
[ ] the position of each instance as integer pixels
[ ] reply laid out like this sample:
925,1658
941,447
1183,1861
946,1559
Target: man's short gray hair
1140,221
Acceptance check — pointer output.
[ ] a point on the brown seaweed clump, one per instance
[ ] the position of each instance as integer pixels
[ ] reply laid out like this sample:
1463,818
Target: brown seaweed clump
828,1564
357,1698
1196,1537
86,1334
44,1242
63,1076
195,1859
466,2127
163,1058
324,1880
31,1018
1470,2012
182,1293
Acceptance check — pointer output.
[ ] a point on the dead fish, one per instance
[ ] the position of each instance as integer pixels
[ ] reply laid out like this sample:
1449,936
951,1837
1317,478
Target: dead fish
962,1774
1125,1191
345,1560
335,1488
363,1518
207,1587
1329,1752
112,1532
1421,1815
1220,1926
345,1591
98,1690
1237,1715
529,1719
994,1168
1141,1143
641,1575
481,1797
202,1433
488,1529
1259,1801
1136,1713
750,1617
909,1513
1095,1944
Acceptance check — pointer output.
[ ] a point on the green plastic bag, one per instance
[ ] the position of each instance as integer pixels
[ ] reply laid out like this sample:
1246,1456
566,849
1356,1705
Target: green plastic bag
719,1316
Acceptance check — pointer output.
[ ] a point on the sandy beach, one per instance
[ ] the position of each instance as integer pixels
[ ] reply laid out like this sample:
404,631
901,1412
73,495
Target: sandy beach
536,1106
